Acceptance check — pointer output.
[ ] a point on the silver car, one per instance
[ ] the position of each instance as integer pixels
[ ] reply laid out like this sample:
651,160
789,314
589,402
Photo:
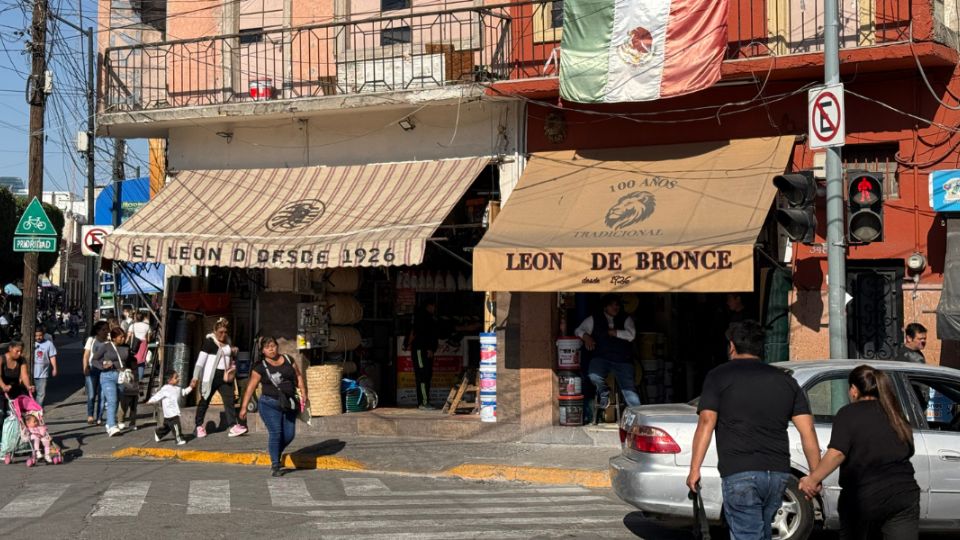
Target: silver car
651,471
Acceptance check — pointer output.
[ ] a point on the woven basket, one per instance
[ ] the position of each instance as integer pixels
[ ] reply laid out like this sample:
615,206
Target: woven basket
323,384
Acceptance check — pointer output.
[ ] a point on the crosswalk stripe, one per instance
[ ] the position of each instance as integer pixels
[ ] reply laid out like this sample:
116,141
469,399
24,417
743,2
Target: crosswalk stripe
363,503
471,492
449,520
122,499
290,492
354,487
209,497
33,501
368,512
483,535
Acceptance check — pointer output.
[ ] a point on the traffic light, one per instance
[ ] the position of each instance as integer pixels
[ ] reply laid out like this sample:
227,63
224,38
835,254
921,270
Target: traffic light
798,217
865,207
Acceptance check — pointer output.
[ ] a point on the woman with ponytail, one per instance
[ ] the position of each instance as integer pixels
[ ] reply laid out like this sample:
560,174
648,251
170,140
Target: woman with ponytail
872,444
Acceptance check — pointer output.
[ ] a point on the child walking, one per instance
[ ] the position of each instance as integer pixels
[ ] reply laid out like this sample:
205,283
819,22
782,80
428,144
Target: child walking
169,397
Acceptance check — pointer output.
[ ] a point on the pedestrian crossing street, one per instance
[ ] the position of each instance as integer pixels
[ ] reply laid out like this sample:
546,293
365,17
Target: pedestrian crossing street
364,506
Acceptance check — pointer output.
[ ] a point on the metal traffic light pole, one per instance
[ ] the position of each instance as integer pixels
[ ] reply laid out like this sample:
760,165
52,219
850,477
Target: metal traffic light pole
836,247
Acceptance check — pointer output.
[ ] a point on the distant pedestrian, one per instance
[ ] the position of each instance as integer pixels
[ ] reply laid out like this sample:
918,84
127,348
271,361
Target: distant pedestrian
914,341
44,364
98,337
127,319
422,341
750,403
215,372
872,443
138,336
168,396
278,405
108,359
609,334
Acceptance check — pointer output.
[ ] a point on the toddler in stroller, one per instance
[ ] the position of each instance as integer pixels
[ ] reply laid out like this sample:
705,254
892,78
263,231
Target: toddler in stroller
25,431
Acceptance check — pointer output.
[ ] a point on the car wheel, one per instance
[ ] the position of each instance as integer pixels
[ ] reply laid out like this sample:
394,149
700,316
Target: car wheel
795,518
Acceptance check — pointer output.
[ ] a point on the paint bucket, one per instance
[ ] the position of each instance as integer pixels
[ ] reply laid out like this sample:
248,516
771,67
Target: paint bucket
261,90
488,351
568,353
571,410
344,309
488,380
488,406
570,383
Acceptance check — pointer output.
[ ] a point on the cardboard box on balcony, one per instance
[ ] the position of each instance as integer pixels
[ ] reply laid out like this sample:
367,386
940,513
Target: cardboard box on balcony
458,64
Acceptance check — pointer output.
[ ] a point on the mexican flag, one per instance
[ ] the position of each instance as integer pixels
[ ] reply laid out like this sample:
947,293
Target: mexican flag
640,50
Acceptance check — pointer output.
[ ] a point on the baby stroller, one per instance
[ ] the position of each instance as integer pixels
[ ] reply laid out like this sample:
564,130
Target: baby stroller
16,437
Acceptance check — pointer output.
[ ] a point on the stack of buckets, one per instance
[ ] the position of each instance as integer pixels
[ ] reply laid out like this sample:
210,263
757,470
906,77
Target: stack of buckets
488,377
571,384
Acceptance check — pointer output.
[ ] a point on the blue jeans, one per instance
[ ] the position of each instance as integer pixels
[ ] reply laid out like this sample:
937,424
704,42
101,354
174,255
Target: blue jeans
281,427
750,500
623,372
41,393
94,397
140,370
108,385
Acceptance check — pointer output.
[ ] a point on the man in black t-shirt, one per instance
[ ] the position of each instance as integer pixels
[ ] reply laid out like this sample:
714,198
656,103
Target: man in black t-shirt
750,404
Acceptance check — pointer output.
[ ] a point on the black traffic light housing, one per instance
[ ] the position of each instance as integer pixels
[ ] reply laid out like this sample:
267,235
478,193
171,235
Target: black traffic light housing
864,207
798,217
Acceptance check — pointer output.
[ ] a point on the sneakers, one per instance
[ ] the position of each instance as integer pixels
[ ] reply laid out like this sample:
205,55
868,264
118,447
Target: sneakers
133,427
90,421
181,442
237,430
113,431
156,437
276,471
122,425
201,432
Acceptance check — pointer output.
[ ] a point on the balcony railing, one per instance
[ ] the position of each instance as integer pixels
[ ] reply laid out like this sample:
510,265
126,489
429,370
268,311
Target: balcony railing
433,49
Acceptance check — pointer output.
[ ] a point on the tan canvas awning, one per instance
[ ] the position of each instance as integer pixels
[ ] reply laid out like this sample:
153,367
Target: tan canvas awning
310,217
654,219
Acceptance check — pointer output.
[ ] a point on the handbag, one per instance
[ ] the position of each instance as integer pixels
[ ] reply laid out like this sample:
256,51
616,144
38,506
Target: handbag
701,527
287,403
125,377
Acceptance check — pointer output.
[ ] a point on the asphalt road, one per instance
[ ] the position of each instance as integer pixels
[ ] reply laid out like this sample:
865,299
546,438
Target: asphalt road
91,498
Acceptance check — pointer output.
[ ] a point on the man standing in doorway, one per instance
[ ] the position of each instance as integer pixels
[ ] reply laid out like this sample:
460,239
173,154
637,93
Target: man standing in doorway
750,403
422,343
44,364
610,335
914,341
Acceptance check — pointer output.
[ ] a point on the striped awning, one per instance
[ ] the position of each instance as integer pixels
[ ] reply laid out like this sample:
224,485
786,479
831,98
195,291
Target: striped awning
307,217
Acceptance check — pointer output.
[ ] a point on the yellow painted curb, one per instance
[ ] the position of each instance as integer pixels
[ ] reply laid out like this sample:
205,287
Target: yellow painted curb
536,475
261,459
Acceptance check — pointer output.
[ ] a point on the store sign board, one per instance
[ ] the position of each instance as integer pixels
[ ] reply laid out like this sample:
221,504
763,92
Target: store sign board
34,244
944,190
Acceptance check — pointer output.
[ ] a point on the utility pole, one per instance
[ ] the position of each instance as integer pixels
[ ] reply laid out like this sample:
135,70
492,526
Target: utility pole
37,98
120,149
836,246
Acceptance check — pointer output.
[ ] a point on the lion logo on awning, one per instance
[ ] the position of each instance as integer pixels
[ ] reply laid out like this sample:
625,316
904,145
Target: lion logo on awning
295,215
631,209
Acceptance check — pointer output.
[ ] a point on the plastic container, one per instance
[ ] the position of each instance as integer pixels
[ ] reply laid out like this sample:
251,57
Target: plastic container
261,90
488,406
568,353
570,383
488,380
571,410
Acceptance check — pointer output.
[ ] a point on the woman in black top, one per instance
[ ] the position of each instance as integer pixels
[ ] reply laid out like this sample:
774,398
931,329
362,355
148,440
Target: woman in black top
14,376
280,379
872,443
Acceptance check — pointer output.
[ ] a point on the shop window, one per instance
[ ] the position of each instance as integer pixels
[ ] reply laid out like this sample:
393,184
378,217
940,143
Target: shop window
877,158
827,396
548,22
940,402
393,5
396,36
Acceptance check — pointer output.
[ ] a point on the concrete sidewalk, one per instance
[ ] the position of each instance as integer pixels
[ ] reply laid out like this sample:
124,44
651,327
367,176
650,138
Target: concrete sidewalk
488,461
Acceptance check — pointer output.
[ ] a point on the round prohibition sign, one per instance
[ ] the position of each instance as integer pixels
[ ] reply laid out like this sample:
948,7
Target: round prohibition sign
820,110
94,238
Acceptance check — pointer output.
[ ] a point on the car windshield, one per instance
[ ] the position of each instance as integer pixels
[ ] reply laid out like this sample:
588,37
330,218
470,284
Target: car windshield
695,402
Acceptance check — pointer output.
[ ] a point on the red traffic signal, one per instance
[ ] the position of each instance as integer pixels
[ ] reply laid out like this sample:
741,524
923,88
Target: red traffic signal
865,207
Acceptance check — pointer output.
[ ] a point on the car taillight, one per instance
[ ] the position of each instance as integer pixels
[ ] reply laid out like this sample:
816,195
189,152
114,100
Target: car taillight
649,440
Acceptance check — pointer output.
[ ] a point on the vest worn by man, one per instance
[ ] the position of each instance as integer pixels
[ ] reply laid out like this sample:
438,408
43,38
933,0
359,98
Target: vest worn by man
611,348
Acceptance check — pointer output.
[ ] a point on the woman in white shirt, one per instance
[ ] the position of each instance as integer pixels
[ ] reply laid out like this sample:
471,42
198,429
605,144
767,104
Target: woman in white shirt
215,372
140,331
98,336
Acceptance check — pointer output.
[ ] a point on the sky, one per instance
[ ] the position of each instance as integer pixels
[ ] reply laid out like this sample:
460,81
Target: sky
64,167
